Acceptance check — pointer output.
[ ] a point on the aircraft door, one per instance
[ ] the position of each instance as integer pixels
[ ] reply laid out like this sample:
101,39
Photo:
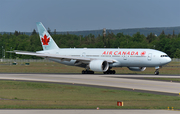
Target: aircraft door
125,57
125,61
149,56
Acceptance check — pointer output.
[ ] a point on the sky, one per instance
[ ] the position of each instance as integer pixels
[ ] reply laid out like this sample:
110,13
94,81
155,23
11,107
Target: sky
80,15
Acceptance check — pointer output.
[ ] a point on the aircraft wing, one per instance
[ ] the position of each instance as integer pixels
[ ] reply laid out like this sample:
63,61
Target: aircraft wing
56,56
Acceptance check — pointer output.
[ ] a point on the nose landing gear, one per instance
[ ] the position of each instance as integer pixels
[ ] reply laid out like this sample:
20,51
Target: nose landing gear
156,72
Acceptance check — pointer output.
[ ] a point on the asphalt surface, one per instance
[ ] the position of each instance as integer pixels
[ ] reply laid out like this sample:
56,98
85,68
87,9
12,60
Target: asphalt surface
127,82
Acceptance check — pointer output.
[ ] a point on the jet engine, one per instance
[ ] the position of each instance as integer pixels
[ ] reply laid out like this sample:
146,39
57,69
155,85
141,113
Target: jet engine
137,68
99,65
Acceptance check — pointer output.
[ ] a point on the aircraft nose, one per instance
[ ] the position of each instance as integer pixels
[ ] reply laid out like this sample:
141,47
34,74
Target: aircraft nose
168,60
165,60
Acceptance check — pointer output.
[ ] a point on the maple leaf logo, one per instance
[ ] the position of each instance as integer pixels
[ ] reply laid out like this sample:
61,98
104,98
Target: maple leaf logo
143,53
45,40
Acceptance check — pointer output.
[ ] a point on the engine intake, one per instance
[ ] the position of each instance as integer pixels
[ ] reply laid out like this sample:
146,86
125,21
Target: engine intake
99,65
137,68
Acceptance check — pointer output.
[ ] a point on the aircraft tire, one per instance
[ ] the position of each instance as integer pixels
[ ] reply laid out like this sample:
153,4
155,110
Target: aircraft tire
87,72
90,72
114,72
156,72
110,72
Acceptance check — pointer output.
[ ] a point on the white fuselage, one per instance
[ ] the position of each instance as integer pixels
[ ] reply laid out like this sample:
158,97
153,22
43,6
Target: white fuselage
123,57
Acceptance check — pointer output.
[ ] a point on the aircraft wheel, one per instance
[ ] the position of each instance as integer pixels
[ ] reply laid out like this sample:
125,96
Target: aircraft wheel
110,72
156,72
90,72
114,72
87,72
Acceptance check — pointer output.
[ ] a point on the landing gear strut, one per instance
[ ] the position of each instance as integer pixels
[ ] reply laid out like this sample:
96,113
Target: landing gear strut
156,72
110,72
87,72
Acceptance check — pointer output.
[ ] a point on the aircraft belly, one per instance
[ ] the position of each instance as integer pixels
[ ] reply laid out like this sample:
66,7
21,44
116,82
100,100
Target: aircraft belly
63,62
117,64
137,62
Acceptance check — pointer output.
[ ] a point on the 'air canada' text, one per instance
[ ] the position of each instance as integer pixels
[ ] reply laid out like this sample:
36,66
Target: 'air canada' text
123,53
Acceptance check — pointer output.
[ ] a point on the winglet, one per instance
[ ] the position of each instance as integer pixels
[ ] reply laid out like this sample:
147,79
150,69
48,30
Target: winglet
45,38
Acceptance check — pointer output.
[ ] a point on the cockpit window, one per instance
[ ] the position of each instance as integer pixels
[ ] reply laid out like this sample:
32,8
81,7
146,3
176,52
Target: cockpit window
164,55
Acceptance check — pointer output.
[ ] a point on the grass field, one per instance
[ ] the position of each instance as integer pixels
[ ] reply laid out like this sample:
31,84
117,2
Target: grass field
52,67
32,95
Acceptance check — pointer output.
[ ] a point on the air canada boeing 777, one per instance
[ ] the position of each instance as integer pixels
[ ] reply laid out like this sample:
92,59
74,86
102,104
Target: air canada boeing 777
99,59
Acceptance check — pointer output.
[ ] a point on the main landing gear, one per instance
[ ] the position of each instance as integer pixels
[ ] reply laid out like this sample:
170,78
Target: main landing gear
87,72
110,72
156,72
92,72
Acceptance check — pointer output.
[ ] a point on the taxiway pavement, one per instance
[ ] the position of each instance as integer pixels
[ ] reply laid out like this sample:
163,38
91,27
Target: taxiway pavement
131,82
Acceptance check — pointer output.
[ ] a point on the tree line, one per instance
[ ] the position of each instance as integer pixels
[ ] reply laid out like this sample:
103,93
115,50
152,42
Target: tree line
169,44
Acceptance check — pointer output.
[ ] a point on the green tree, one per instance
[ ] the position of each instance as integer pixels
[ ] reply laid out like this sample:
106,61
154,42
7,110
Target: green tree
173,34
177,53
16,33
151,37
54,31
34,32
137,37
49,30
163,32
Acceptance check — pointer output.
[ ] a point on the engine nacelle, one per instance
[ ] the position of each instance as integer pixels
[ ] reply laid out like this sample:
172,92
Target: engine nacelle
137,68
99,65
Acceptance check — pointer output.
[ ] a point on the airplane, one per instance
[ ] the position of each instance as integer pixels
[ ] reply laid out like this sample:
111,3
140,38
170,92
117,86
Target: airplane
99,59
